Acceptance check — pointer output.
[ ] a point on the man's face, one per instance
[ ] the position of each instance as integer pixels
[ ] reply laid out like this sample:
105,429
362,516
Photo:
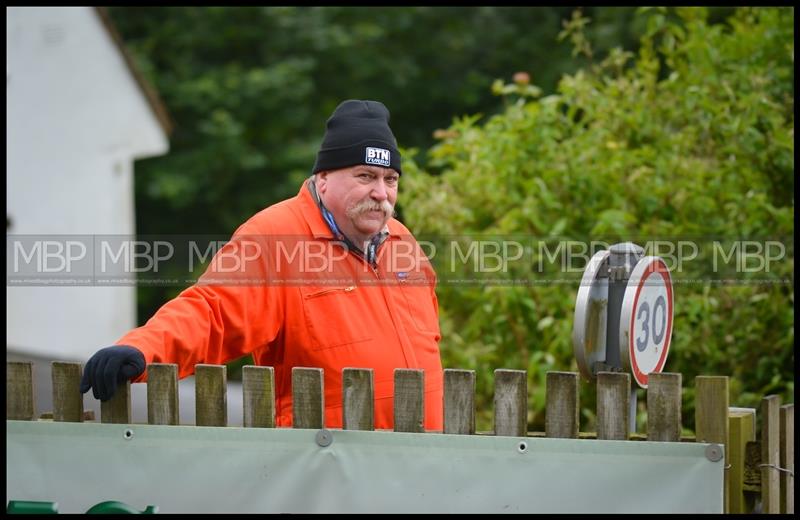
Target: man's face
361,198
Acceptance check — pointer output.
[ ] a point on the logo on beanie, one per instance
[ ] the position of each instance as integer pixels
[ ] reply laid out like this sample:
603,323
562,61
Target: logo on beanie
378,156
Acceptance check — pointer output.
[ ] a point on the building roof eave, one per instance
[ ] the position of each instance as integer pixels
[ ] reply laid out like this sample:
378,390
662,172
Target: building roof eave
150,93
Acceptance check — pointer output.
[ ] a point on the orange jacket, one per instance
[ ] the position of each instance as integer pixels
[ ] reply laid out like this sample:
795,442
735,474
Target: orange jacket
285,291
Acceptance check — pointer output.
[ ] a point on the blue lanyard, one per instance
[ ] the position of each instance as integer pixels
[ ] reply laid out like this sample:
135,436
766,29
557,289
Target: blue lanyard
327,216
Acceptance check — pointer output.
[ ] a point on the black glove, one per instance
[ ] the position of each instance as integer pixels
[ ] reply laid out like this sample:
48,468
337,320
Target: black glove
109,367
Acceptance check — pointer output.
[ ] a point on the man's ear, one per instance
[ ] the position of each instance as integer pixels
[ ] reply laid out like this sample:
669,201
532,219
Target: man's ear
322,181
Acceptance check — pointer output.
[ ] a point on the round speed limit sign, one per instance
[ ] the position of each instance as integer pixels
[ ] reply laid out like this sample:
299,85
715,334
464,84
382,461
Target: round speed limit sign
645,322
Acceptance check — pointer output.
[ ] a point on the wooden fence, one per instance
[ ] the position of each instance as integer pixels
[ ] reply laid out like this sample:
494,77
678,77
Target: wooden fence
759,472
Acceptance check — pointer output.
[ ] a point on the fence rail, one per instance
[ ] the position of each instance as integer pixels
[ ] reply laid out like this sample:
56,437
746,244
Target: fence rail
758,471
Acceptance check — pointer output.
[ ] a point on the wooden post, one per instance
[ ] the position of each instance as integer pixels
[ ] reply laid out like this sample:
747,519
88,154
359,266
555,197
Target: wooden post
308,398
67,397
19,391
561,417
510,403
211,395
613,405
787,459
770,454
162,393
358,399
711,418
117,410
752,467
409,400
664,407
742,429
459,401
258,396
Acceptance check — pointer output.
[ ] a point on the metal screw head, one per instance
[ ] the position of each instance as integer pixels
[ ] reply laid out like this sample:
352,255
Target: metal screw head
714,452
324,438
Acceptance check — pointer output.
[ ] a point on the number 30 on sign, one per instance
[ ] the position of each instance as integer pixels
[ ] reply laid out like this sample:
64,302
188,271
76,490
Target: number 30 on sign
645,324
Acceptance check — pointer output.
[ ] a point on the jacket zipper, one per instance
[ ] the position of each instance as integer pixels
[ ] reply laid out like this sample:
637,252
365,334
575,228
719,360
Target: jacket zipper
347,289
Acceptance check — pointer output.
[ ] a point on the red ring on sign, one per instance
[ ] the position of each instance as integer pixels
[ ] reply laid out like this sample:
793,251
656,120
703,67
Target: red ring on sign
657,266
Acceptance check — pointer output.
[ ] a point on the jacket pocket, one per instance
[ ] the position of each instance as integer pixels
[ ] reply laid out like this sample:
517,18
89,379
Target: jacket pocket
332,316
417,294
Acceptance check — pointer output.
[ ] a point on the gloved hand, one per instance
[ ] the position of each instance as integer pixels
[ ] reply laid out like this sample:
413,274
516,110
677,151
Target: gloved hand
109,367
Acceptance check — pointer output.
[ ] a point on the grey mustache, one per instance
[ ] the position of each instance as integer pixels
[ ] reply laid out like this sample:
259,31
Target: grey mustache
368,205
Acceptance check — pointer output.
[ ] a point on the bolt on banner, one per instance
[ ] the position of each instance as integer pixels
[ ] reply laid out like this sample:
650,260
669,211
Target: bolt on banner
458,260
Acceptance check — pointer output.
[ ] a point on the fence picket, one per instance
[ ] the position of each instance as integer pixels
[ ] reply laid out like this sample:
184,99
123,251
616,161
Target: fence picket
711,418
67,398
117,410
358,401
459,401
258,397
742,429
162,394
211,395
613,408
308,398
409,400
664,407
19,391
787,459
562,408
510,403
770,454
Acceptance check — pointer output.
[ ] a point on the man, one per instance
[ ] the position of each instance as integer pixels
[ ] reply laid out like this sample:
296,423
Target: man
334,282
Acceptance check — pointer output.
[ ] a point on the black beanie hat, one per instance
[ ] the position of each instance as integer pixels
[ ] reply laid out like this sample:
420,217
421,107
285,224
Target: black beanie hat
358,133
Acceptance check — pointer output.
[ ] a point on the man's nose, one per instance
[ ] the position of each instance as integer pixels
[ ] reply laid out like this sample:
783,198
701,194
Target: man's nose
379,191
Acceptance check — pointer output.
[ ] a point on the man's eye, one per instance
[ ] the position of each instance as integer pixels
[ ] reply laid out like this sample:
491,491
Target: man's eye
391,180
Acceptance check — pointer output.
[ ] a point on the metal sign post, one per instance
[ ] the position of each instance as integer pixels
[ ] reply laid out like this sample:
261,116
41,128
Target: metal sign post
621,261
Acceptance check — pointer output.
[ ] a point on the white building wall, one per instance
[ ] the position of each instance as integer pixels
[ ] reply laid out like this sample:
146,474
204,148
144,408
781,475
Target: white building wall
76,121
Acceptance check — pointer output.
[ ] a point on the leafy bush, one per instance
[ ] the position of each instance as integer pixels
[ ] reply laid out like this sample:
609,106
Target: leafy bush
691,137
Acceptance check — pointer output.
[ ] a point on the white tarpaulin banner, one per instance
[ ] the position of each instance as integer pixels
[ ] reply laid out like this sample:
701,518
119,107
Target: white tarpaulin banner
248,470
